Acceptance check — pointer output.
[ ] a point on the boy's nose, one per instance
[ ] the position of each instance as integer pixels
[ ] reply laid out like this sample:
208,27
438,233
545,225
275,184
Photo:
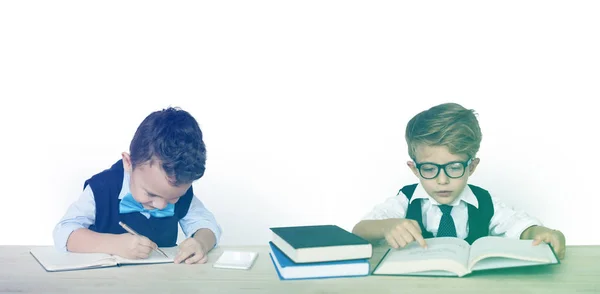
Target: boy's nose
442,178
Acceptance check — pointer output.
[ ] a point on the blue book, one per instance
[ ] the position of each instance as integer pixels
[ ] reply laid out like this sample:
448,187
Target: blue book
320,243
289,270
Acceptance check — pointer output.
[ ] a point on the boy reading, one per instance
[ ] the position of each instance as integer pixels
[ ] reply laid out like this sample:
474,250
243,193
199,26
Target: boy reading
442,143
149,190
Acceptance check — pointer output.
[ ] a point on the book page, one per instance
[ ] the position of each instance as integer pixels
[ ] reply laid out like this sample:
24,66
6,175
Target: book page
53,260
500,262
155,257
441,254
504,248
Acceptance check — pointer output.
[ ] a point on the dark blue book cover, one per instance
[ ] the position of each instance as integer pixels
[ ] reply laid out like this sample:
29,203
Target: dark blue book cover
287,269
317,236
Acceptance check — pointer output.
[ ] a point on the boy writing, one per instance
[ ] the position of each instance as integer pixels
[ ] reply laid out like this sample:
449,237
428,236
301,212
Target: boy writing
150,190
442,143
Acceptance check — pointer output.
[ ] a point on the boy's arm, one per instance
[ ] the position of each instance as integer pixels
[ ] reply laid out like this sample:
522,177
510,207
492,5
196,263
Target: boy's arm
514,224
206,238
372,226
508,222
386,221
201,224
373,230
79,216
195,249
87,241
72,234
531,232
125,245
203,232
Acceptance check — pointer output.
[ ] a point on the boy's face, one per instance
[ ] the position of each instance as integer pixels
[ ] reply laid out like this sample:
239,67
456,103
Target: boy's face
442,188
150,186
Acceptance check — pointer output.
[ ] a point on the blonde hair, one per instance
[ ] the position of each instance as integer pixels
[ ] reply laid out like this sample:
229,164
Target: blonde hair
448,124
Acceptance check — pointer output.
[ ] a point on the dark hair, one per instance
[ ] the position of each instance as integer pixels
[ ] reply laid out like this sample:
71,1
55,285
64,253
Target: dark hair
174,137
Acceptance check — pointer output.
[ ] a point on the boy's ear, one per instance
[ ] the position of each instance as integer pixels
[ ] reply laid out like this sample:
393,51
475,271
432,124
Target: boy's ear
413,167
473,165
126,162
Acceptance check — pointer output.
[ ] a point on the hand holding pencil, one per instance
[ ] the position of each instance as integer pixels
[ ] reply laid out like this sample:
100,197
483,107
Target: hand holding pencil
134,245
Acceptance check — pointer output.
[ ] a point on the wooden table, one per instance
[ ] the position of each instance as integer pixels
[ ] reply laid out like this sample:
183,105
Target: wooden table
20,273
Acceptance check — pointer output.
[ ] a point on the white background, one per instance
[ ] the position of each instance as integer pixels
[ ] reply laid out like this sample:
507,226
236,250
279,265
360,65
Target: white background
303,104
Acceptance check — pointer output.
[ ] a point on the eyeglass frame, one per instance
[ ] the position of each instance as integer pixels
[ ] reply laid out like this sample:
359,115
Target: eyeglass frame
440,167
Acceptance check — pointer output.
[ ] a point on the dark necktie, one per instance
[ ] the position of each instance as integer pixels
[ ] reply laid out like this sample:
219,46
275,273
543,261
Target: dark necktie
446,228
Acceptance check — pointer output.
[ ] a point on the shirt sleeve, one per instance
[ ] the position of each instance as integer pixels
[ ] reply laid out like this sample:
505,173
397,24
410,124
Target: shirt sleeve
508,222
392,207
199,217
80,214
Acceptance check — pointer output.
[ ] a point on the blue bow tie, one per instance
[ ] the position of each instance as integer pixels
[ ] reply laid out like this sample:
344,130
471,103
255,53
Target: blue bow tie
128,204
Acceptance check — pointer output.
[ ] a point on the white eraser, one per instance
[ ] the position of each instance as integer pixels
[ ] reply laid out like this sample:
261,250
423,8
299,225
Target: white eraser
236,260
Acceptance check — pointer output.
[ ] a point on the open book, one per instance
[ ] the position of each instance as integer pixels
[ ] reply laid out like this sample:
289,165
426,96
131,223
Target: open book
53,260
449,256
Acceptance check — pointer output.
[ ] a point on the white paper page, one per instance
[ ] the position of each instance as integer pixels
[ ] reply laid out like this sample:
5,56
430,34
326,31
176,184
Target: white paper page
501,262
437,248
510,248
440,253
54,260
433,273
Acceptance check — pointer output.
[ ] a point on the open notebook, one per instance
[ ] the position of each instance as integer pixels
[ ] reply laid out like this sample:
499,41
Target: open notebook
53,260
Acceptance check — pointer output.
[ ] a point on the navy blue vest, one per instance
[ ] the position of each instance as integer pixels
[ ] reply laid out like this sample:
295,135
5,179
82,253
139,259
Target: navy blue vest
106,186
479,219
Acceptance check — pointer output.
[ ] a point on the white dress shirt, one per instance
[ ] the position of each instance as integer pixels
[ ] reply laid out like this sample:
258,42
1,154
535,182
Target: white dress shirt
505,222
82,214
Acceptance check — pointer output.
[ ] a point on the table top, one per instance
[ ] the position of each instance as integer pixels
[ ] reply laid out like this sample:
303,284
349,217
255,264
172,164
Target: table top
579,272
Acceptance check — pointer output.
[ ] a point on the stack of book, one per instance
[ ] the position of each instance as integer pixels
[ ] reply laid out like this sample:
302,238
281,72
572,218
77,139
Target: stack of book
321,251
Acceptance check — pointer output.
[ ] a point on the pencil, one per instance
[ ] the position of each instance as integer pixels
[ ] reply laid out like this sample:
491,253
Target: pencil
131,231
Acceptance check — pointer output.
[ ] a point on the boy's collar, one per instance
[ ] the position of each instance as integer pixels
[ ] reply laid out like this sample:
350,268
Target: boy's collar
466,195
125,185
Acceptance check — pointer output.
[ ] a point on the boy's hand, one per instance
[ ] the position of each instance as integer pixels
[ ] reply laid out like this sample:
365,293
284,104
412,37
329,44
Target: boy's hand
400,232
133,247
191,251
554,237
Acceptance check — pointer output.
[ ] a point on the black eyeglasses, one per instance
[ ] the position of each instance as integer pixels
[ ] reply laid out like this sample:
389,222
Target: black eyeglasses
453,170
